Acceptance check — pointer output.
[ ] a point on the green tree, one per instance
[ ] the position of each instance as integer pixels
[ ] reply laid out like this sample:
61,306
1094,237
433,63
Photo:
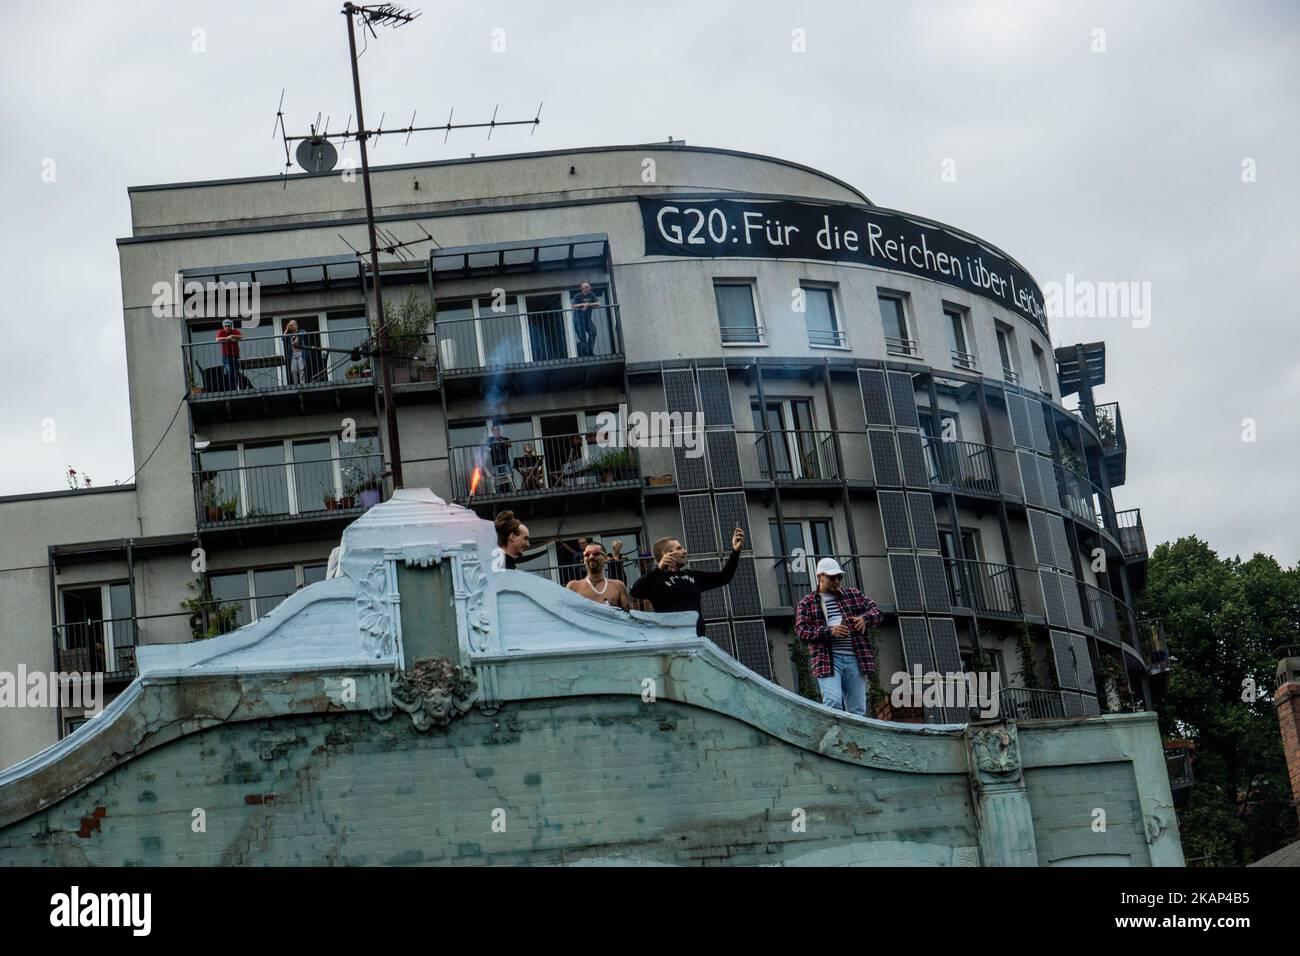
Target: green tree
1223,618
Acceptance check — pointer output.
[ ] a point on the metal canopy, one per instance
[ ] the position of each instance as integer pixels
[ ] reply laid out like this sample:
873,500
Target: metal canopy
286,275
1071,374
529,255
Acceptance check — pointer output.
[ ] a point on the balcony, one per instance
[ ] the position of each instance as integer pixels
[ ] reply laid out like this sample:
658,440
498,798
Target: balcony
1114,447
1132,536
987,588
1010,376
902,347
1030,703
966,467
795,457
520,351
800,570
965,360
98,647
550,467
267,385
1111,618
287,501
1151,632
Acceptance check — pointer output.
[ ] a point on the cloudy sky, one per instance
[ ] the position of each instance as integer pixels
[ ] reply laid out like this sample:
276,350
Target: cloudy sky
1109,141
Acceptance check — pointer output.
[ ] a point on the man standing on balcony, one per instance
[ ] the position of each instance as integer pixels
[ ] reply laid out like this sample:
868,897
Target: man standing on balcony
496,450
833,622
673,587
229,337
584,329
595,586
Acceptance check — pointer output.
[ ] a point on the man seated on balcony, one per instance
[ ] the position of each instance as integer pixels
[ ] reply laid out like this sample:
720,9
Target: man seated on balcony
595,586
673,587
496,452
229,337
833,622
584,329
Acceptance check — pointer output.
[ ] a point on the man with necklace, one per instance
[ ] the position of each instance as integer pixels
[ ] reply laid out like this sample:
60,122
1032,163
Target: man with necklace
595,586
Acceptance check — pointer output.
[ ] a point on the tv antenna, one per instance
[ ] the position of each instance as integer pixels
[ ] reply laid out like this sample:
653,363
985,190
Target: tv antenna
316,153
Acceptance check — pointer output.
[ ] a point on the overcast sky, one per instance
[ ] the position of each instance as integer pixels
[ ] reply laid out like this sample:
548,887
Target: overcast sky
1117,165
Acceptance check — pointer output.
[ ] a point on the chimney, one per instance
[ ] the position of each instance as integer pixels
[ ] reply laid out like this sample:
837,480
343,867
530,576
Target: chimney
1287,702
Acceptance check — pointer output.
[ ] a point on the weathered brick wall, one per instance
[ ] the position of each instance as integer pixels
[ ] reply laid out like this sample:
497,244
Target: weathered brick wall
1087,814
603,779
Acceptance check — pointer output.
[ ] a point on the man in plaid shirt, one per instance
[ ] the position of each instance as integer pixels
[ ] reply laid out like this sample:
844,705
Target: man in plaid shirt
833,623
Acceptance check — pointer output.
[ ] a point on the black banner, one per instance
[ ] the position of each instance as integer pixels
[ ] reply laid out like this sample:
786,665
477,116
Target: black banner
756,228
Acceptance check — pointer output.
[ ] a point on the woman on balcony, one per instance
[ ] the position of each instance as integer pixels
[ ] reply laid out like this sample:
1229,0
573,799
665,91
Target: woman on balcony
295,353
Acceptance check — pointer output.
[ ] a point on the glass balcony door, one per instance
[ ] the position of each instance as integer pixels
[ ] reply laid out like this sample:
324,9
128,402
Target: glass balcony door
806,542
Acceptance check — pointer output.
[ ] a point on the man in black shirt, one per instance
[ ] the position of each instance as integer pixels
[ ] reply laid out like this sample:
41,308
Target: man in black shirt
671,586
584,330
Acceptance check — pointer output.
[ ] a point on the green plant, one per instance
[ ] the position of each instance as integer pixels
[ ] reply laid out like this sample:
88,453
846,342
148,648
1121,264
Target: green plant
611,459
229,506
1028,663
208,618
208,492
1070,459
804,679
1105,426
360,368
408,324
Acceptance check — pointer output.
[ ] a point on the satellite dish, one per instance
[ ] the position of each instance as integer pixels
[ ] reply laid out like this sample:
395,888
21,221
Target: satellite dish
316,155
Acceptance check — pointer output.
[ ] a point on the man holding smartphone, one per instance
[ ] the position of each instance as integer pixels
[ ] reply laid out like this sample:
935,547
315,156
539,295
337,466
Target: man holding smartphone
833,622
671,586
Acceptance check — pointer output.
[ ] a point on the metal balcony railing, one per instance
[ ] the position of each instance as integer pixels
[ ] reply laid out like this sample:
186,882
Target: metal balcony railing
628,570
1030,703
826,338
1010,375
897,346
1155,648
509,339
98,647
551,463
802,574
1110,428
1110,616
278,491
1076,495
964,465
966,360
795,455
989,588
1132,536
265,364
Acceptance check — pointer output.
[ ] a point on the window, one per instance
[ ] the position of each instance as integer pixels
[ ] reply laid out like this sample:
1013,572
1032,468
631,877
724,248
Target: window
1044,382
96,619
822,321
962,356
241,597
1007,351
798,449
806,542
893,313
737,314
972,551
519,329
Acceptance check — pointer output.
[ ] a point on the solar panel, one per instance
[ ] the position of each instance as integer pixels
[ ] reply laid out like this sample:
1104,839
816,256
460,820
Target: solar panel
893,517
724,461
1029,478
884,458
699,533
715,396
1073,704
947,655
934,583
916,644
713,603
1090,706
1063,658
1073,607
733,512
1019,420
679,391
903,396
907,589
691,473
1047,478
1052,599
924,528
743,590
1038,426
1040,533
1082,661
875,403
751,647
916,472
1060,542
720,634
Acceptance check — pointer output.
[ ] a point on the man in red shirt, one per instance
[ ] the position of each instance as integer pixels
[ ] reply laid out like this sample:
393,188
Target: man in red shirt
229,337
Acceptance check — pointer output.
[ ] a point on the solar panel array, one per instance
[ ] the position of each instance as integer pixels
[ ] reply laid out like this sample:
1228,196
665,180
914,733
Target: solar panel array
679,396
752,648
720,634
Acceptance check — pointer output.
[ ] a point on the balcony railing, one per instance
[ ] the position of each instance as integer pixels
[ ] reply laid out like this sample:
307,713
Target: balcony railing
509,339
897,346
1132,536
1111,617
1110,428
964,465
1030,703
826,338
1155,648
966,360
984,586
571,462
264,364
795,455
802,576
629,570
320,487
1010,375
1077,495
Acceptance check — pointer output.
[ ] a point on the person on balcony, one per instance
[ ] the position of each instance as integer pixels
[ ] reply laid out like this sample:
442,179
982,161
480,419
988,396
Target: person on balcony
596,586
295,353
230,337
833,622
584,303
671,586
512,540
496,453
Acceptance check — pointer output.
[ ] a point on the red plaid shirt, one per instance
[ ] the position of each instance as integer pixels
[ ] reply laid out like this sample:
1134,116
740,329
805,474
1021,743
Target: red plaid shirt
810,627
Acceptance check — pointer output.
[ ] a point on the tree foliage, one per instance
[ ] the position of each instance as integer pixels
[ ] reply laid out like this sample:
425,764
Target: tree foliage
1223,618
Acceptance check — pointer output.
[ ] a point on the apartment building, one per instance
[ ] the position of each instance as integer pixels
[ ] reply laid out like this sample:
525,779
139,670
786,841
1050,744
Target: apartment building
846,380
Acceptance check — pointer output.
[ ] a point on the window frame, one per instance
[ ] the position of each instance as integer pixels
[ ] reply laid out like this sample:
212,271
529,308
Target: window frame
911,347
760,332
838,331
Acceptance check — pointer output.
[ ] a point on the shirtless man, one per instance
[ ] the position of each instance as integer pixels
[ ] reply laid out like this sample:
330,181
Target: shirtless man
595,586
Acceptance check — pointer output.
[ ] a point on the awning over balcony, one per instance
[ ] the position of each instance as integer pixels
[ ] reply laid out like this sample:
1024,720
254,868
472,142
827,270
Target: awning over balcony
527,255
286,275
1078,363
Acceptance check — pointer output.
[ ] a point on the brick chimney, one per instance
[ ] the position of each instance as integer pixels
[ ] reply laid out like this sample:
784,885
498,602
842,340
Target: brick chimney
1287,701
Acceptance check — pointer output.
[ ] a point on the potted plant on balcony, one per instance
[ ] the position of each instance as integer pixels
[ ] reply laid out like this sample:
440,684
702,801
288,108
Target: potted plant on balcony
208,494
195,388
359,370
408,325
229,508
209,617
330,502
612,464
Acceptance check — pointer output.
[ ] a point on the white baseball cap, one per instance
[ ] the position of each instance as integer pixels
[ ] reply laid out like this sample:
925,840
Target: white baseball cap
829,566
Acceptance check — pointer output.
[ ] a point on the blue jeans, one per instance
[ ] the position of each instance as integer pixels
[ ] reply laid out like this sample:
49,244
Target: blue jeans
846,688
230,365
